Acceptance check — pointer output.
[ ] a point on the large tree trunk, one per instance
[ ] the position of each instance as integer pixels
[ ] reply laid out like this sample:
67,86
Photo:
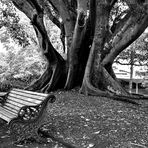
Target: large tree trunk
91,46
97,80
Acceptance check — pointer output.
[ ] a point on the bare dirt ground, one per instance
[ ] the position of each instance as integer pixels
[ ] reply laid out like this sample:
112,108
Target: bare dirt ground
90,122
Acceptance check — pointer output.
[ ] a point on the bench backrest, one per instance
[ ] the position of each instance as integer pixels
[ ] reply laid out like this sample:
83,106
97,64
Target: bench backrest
18,98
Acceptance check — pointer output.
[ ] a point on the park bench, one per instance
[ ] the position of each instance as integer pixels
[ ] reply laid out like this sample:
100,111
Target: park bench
25,112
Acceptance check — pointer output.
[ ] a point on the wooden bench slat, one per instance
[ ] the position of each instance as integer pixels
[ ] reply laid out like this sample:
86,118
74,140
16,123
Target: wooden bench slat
30,92
23,95
27,95
5,118
20,103
3,93
12,107
7,113
15,103
10,110
23,99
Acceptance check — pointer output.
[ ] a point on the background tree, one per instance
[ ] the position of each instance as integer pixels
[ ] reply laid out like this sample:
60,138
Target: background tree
93,41
135,55
139,47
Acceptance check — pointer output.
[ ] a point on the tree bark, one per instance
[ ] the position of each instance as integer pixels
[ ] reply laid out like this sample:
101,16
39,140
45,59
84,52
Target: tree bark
131,70
95,72
98,74
53,78
55,62
73,61
130,32
91,46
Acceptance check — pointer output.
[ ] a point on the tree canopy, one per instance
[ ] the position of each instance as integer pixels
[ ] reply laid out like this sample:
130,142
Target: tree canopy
93,34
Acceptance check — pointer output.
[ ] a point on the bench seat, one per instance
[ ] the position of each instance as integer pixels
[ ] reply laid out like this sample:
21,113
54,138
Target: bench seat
24,112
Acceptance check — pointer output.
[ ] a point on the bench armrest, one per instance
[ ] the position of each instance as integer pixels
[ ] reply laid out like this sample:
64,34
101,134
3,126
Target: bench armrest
30,113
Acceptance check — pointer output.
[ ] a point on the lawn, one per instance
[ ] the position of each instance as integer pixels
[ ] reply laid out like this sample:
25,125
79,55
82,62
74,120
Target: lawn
89,122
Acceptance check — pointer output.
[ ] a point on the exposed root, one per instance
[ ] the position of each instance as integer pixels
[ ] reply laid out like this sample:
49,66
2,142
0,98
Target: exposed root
88,89
56,139
70,78
57,80
53,78
42,81
137,145
112,84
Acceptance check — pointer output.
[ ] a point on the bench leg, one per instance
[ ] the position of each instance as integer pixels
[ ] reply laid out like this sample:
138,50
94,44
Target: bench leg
27,124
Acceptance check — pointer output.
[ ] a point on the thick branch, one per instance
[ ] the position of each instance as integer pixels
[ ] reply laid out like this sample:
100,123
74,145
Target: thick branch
34,3
34,11
25,7
51,17
67,22
130,32
119,22
112,3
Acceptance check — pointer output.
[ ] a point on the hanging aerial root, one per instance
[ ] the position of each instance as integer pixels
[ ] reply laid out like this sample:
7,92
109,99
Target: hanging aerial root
88,89
53,78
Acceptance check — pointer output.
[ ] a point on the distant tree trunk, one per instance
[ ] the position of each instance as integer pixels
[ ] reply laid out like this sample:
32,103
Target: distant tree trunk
131,70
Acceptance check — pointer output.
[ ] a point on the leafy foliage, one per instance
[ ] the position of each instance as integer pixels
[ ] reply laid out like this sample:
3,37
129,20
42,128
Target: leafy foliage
54,34
21,66
21,62
10,20
118,12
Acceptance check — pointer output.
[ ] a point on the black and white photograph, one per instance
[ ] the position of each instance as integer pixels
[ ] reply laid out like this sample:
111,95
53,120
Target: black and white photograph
73,73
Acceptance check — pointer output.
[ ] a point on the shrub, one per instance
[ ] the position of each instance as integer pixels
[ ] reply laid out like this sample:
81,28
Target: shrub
19,82
5,86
